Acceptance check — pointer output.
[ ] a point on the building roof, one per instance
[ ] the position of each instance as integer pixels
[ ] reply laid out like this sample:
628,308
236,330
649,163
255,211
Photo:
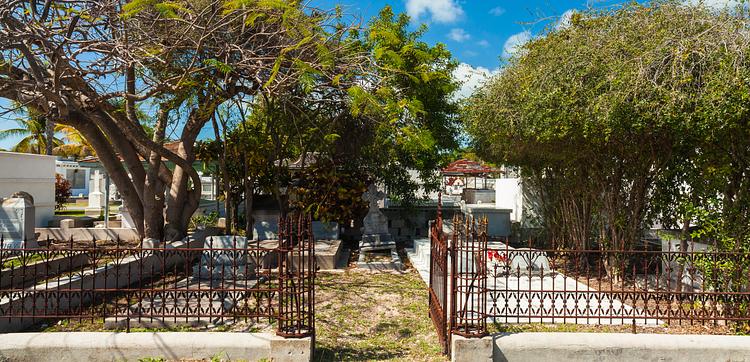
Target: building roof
468,167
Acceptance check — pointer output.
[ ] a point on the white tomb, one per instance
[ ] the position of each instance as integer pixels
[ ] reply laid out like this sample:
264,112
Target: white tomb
17,222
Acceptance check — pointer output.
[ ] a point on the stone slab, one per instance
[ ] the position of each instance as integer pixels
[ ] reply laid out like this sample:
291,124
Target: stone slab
394,264
376,242
325,230
114,346
614,347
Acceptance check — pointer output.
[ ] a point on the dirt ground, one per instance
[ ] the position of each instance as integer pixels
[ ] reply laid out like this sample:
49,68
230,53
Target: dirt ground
374,316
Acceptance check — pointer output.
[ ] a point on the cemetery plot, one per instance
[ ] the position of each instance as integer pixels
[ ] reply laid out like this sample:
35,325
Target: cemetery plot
636,287
184,284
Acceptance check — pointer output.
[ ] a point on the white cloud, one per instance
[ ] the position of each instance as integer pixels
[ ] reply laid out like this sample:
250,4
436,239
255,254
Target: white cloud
483,43
459,35
564,20
471,78
716,4
497,11
515,42
441,11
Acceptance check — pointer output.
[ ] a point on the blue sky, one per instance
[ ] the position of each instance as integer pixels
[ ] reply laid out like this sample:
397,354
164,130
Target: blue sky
479,33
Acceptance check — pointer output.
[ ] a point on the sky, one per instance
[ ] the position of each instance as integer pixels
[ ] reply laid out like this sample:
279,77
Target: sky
479,33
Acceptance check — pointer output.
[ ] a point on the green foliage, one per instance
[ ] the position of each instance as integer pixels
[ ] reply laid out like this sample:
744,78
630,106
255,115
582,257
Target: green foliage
62,192
622,117
412,112
331,193
202,221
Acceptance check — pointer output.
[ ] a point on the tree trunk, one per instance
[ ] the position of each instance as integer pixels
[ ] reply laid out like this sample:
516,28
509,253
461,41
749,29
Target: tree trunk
49,130
111,162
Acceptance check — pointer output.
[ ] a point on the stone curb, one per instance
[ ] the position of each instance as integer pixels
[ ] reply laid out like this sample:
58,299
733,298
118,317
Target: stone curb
111,346
601,347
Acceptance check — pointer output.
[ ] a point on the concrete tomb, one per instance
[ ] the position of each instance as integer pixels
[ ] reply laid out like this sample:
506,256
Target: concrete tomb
224,257
325,230
528,262
17,221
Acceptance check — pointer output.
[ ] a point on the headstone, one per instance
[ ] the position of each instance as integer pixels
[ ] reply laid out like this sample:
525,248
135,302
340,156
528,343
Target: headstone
126,219
325,230
375,235
224,257
96,197
17,217
529,262
266,227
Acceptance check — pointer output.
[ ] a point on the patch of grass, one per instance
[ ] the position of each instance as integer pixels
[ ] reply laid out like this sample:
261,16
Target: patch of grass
72,212
25,259
364,316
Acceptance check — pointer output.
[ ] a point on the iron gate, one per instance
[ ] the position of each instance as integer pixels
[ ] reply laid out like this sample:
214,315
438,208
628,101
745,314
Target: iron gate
465,276
438,287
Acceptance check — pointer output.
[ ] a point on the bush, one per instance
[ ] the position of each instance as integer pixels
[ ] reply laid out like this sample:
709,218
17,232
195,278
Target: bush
62,192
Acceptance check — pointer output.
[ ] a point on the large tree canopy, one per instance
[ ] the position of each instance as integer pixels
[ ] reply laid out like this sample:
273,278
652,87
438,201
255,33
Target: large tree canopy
73,61
626,116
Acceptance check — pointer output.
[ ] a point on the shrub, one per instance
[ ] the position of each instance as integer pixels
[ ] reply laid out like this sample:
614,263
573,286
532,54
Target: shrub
62,192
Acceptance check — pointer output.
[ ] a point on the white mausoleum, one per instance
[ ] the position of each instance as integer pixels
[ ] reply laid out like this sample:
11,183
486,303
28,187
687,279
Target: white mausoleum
31,173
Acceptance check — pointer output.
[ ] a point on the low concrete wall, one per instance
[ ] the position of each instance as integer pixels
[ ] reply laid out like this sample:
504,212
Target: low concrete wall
601,347
105,346
87,234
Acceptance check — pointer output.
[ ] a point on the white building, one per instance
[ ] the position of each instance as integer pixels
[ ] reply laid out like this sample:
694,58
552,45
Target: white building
31,173
77,175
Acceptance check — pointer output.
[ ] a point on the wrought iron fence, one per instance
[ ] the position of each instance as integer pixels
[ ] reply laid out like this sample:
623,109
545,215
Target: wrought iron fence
186,283
469,277
438,285
651,284
641,287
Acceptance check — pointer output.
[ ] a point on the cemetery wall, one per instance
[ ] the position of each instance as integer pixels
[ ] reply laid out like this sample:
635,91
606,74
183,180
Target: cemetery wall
139,346
409,224
34,174
508,195
604,347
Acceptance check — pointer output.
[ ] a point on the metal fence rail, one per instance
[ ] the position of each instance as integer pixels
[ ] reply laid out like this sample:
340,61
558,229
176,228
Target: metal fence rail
182,284
616,287
492,282
438,286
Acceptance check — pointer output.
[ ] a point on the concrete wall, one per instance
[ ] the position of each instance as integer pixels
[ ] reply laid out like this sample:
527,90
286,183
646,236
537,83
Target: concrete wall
509,195
34,174
410,224
601,347
173,346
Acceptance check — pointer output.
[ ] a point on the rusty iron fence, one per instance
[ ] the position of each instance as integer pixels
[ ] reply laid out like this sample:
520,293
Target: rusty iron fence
182,284
648,284
469,277
640,286
438,286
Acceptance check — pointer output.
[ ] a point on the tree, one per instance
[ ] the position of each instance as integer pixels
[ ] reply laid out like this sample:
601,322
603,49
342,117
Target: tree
34,130
75,60
407,106
386,111
612,115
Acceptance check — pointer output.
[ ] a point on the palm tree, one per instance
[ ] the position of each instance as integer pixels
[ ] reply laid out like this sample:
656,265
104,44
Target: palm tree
33,131
75,144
